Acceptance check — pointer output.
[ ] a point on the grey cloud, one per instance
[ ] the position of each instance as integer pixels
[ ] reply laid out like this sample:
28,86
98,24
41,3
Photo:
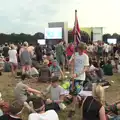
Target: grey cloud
28,15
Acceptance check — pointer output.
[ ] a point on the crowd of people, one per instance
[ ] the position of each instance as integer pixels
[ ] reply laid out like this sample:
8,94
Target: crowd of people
87,65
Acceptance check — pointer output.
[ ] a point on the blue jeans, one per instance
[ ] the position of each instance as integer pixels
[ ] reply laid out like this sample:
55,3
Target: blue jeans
78,86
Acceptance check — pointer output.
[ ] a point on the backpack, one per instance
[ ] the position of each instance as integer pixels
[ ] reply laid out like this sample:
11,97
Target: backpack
7,67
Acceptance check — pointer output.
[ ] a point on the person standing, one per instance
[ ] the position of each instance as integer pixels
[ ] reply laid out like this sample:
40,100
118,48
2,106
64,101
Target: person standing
25,59
70,51
38,52
31,50
5,50
81,64
60,53
99,51
13,59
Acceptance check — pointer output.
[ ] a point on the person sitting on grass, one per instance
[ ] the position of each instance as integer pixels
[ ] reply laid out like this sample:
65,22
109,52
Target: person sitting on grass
49,57
22,91
92,106
4,106
56,70
15,111
108,68
44,73
95,107
99,72
39,111
102,63
56,95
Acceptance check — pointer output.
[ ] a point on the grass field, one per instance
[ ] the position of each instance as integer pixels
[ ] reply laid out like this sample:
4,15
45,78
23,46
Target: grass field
8,83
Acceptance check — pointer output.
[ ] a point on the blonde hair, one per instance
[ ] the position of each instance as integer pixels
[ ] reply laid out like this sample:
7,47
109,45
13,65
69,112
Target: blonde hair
25,44
12,46
46,62
98,93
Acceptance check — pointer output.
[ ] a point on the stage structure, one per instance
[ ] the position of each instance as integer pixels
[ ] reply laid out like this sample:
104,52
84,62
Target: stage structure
97,33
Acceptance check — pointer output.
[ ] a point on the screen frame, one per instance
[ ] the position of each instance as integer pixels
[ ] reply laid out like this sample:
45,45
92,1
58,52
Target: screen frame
112,39
53,29
41,40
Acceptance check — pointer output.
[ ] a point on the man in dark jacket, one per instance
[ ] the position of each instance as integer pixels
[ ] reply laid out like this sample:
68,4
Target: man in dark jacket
38,52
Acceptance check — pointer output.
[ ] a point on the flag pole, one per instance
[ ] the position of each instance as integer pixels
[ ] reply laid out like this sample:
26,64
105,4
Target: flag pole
74,50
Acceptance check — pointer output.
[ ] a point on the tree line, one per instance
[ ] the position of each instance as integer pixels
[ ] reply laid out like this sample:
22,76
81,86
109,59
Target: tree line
19,38
115,35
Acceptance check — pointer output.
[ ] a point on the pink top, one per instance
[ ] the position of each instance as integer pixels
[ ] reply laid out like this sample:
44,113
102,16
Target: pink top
70,50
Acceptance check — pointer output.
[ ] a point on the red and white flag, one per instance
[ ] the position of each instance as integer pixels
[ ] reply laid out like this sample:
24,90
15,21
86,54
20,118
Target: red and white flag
76,30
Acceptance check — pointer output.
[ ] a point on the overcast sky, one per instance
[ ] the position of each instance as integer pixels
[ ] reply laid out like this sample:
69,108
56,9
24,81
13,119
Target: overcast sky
31,16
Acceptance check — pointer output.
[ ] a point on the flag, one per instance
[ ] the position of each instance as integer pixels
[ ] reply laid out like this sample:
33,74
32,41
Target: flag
76,30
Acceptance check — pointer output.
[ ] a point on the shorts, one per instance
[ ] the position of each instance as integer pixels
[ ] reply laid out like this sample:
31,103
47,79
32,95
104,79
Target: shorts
60,59
13,65
78,86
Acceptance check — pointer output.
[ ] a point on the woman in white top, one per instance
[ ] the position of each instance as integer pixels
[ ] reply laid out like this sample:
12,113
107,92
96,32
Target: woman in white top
13,59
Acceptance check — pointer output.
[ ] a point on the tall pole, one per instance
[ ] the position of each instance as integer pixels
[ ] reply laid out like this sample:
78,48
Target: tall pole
74,50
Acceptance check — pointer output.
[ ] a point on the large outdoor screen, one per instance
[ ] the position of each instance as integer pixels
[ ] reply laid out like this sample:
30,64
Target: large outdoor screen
53,33
112,41
41,41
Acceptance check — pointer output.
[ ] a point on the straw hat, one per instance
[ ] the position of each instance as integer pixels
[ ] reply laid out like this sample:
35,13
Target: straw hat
46,62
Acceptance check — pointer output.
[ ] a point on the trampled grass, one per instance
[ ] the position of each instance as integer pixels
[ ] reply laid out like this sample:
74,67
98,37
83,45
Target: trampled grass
8,83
